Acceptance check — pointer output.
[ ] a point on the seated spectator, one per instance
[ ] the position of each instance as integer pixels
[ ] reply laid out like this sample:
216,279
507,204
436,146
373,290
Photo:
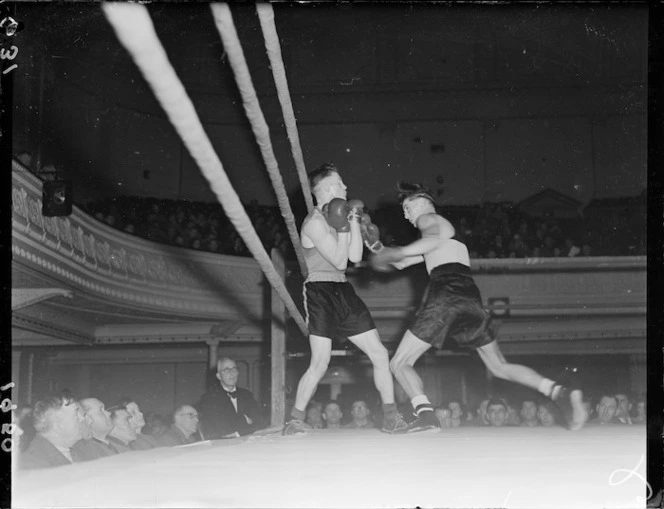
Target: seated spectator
332,415
529,413
444,416
496,412
137,421
16,434
481,417
624,408
458,415
571,248
95,443
588,406
546,415
639,411
123,433
606,410
512,416
314,416
228,410
24,419
185,425
361,416
58,424
155,425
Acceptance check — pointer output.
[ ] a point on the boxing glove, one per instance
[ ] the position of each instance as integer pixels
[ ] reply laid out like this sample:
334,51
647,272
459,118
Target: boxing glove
383,259
371,237
356,208
336,213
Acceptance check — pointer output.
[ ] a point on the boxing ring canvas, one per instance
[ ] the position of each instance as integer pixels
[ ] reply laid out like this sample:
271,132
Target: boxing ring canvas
597,467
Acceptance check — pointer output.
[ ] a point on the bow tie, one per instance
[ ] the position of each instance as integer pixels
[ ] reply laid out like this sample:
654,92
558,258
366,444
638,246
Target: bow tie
231,394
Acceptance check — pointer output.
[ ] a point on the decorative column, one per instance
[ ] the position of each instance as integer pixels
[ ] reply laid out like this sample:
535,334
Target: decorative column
213,352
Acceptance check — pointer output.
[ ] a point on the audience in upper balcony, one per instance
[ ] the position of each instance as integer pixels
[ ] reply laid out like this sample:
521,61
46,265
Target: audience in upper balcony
58,422
503,233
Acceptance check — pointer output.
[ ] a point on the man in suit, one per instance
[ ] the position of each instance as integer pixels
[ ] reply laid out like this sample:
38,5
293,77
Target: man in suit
137,421
58,421
227,410
123,433
181,432
95,443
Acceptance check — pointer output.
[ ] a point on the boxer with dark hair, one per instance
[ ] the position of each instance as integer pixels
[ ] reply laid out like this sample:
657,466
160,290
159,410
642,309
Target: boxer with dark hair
331,237
452,309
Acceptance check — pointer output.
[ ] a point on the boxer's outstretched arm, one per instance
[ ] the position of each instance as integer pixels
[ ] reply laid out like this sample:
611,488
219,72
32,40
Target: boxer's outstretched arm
435,229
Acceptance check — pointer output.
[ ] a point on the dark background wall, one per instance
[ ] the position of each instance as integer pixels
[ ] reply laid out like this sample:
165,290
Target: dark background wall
480,102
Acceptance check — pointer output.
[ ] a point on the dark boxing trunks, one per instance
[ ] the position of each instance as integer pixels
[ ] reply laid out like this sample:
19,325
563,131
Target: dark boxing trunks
333,310
452,308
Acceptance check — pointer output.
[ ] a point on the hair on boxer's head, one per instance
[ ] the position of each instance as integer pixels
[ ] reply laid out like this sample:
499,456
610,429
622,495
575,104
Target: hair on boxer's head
407,191
318,174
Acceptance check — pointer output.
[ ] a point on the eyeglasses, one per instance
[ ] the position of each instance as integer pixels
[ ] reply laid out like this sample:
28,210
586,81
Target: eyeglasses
229,371
191,414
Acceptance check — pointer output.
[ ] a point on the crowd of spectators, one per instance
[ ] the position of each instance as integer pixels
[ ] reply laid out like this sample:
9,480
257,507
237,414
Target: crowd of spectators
59,429
358,412
490,230
605,227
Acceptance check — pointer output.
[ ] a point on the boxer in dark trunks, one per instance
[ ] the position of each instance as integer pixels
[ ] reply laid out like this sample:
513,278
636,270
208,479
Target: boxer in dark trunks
452,308
331,237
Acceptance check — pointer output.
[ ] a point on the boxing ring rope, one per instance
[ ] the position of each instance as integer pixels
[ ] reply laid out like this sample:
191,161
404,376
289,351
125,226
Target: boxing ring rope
266,17
223,20
135,30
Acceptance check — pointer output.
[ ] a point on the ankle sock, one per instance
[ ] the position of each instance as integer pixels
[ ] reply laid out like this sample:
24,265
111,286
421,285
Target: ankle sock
546,387
421,404
389,409
298,414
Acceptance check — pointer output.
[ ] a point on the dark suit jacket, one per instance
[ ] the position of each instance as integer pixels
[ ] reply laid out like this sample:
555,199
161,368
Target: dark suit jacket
43,454
144,442
174,437
91,449
218,416
118,444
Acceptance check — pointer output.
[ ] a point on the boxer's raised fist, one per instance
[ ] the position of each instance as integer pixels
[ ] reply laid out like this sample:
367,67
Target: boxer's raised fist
356,208
336,213
371,237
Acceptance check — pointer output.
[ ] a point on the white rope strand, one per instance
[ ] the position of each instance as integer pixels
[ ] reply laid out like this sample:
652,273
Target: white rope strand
266,17
135,30
226,28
